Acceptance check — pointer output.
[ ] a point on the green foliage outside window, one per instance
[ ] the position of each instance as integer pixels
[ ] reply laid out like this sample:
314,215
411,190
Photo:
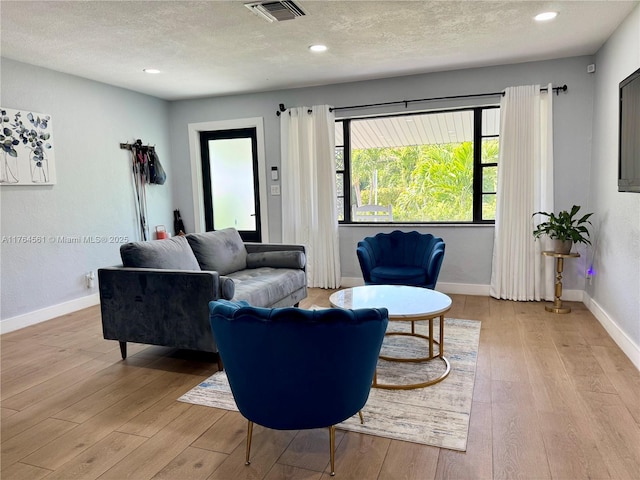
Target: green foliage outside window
424,183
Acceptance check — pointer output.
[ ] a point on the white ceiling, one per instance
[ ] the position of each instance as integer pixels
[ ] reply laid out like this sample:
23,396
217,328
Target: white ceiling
207,48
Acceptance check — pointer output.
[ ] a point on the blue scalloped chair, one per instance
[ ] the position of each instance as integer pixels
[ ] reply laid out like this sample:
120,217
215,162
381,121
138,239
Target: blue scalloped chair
294,369
401,258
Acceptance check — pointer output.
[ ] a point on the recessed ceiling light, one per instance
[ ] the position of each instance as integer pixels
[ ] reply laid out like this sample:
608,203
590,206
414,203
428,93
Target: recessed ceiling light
151,70
543,17
318,48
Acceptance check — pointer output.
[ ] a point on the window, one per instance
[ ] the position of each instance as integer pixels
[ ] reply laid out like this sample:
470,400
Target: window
230,183
427,167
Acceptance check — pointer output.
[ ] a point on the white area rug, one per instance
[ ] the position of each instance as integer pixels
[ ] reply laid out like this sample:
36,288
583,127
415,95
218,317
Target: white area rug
437,415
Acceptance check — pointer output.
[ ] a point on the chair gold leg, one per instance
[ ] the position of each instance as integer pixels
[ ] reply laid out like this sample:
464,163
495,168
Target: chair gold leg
332,447
249,434
361,417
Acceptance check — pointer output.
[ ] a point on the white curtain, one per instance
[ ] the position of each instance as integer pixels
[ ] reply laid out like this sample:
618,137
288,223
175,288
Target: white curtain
525,186
309,210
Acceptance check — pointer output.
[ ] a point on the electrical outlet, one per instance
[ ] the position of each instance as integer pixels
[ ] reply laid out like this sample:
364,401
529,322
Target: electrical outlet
90,279
589,275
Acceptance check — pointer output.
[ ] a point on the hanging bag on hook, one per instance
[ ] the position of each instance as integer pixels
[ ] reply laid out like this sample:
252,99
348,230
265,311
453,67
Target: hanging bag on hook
158,175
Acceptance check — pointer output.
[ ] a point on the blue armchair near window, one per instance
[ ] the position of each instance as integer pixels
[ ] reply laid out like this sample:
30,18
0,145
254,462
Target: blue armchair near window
294,369
401,258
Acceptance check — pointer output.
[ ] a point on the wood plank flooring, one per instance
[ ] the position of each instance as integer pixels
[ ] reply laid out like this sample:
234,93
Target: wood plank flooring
554,398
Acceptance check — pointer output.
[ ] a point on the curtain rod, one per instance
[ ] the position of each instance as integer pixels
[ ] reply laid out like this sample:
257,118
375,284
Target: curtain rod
563,88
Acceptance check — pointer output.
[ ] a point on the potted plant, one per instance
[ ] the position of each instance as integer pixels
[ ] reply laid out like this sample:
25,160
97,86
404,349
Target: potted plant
564,228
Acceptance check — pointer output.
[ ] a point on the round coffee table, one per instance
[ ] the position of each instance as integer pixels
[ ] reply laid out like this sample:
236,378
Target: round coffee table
409,304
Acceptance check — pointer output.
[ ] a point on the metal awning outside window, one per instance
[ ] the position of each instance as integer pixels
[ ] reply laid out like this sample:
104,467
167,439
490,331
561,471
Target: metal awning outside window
418,129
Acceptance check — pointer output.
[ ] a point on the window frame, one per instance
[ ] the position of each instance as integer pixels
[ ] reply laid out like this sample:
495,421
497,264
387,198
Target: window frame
478,165
250,133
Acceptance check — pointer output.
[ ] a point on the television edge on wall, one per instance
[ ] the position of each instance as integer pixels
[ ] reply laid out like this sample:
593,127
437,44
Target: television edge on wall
629,134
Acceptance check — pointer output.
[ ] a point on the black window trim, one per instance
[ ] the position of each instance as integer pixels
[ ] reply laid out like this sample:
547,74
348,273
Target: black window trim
226,134
478,166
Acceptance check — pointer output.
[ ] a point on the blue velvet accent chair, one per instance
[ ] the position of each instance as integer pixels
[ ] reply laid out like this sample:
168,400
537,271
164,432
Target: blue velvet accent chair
401,258
295,369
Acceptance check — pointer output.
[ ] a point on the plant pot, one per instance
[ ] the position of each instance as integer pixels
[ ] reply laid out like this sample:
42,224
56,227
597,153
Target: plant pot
562,246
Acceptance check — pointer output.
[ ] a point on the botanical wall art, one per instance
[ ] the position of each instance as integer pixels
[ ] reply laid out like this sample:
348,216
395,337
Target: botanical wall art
26,154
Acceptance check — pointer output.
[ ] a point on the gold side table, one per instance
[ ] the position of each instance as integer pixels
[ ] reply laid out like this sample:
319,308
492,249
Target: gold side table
557,303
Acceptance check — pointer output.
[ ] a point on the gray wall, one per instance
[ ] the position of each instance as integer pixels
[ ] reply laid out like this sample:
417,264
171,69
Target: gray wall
469,249
616,285
93,194
462,265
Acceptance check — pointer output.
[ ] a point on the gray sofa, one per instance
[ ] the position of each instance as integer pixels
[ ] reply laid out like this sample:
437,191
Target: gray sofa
160,293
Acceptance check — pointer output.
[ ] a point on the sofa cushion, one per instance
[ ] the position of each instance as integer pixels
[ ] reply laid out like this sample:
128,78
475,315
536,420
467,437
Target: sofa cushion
173,253
266,286
222,250
276,259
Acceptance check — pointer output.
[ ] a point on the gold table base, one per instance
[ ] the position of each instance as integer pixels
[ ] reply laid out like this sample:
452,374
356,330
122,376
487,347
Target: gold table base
557,307
405,304
431,357
554,309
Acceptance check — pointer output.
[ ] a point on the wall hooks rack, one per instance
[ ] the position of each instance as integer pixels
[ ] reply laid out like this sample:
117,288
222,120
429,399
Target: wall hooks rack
138,144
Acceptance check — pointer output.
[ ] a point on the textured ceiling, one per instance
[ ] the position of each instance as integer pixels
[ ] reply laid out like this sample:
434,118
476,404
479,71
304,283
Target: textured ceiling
211,48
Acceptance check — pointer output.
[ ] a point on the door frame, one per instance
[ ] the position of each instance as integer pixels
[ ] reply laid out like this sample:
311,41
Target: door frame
196,168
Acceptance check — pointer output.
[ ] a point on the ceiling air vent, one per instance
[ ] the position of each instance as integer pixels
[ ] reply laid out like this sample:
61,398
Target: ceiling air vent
276,11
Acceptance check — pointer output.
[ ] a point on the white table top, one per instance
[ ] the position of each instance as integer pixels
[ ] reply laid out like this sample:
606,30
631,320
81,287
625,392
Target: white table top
403,302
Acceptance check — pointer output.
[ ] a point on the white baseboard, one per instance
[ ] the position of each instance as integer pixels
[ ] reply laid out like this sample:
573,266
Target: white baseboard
463,288
626,344
348,282
44,314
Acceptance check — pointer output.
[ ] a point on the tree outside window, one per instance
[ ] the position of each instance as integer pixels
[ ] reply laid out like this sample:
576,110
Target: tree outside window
423,165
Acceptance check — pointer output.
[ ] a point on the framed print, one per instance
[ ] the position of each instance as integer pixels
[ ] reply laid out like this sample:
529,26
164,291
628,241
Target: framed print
26,153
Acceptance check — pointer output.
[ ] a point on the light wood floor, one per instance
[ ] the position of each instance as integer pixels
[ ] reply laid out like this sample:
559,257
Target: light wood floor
554,398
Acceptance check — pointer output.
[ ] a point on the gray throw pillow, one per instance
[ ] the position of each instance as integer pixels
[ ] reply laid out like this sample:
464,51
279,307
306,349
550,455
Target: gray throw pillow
222,251
227,288
173,253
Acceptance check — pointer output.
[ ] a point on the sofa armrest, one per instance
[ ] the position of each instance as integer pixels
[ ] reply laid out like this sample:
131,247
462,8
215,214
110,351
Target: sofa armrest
262,253
157,306
280,259
272,247
217,286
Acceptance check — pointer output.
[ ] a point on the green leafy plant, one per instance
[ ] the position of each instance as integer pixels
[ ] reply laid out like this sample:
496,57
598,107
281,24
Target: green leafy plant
565,226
